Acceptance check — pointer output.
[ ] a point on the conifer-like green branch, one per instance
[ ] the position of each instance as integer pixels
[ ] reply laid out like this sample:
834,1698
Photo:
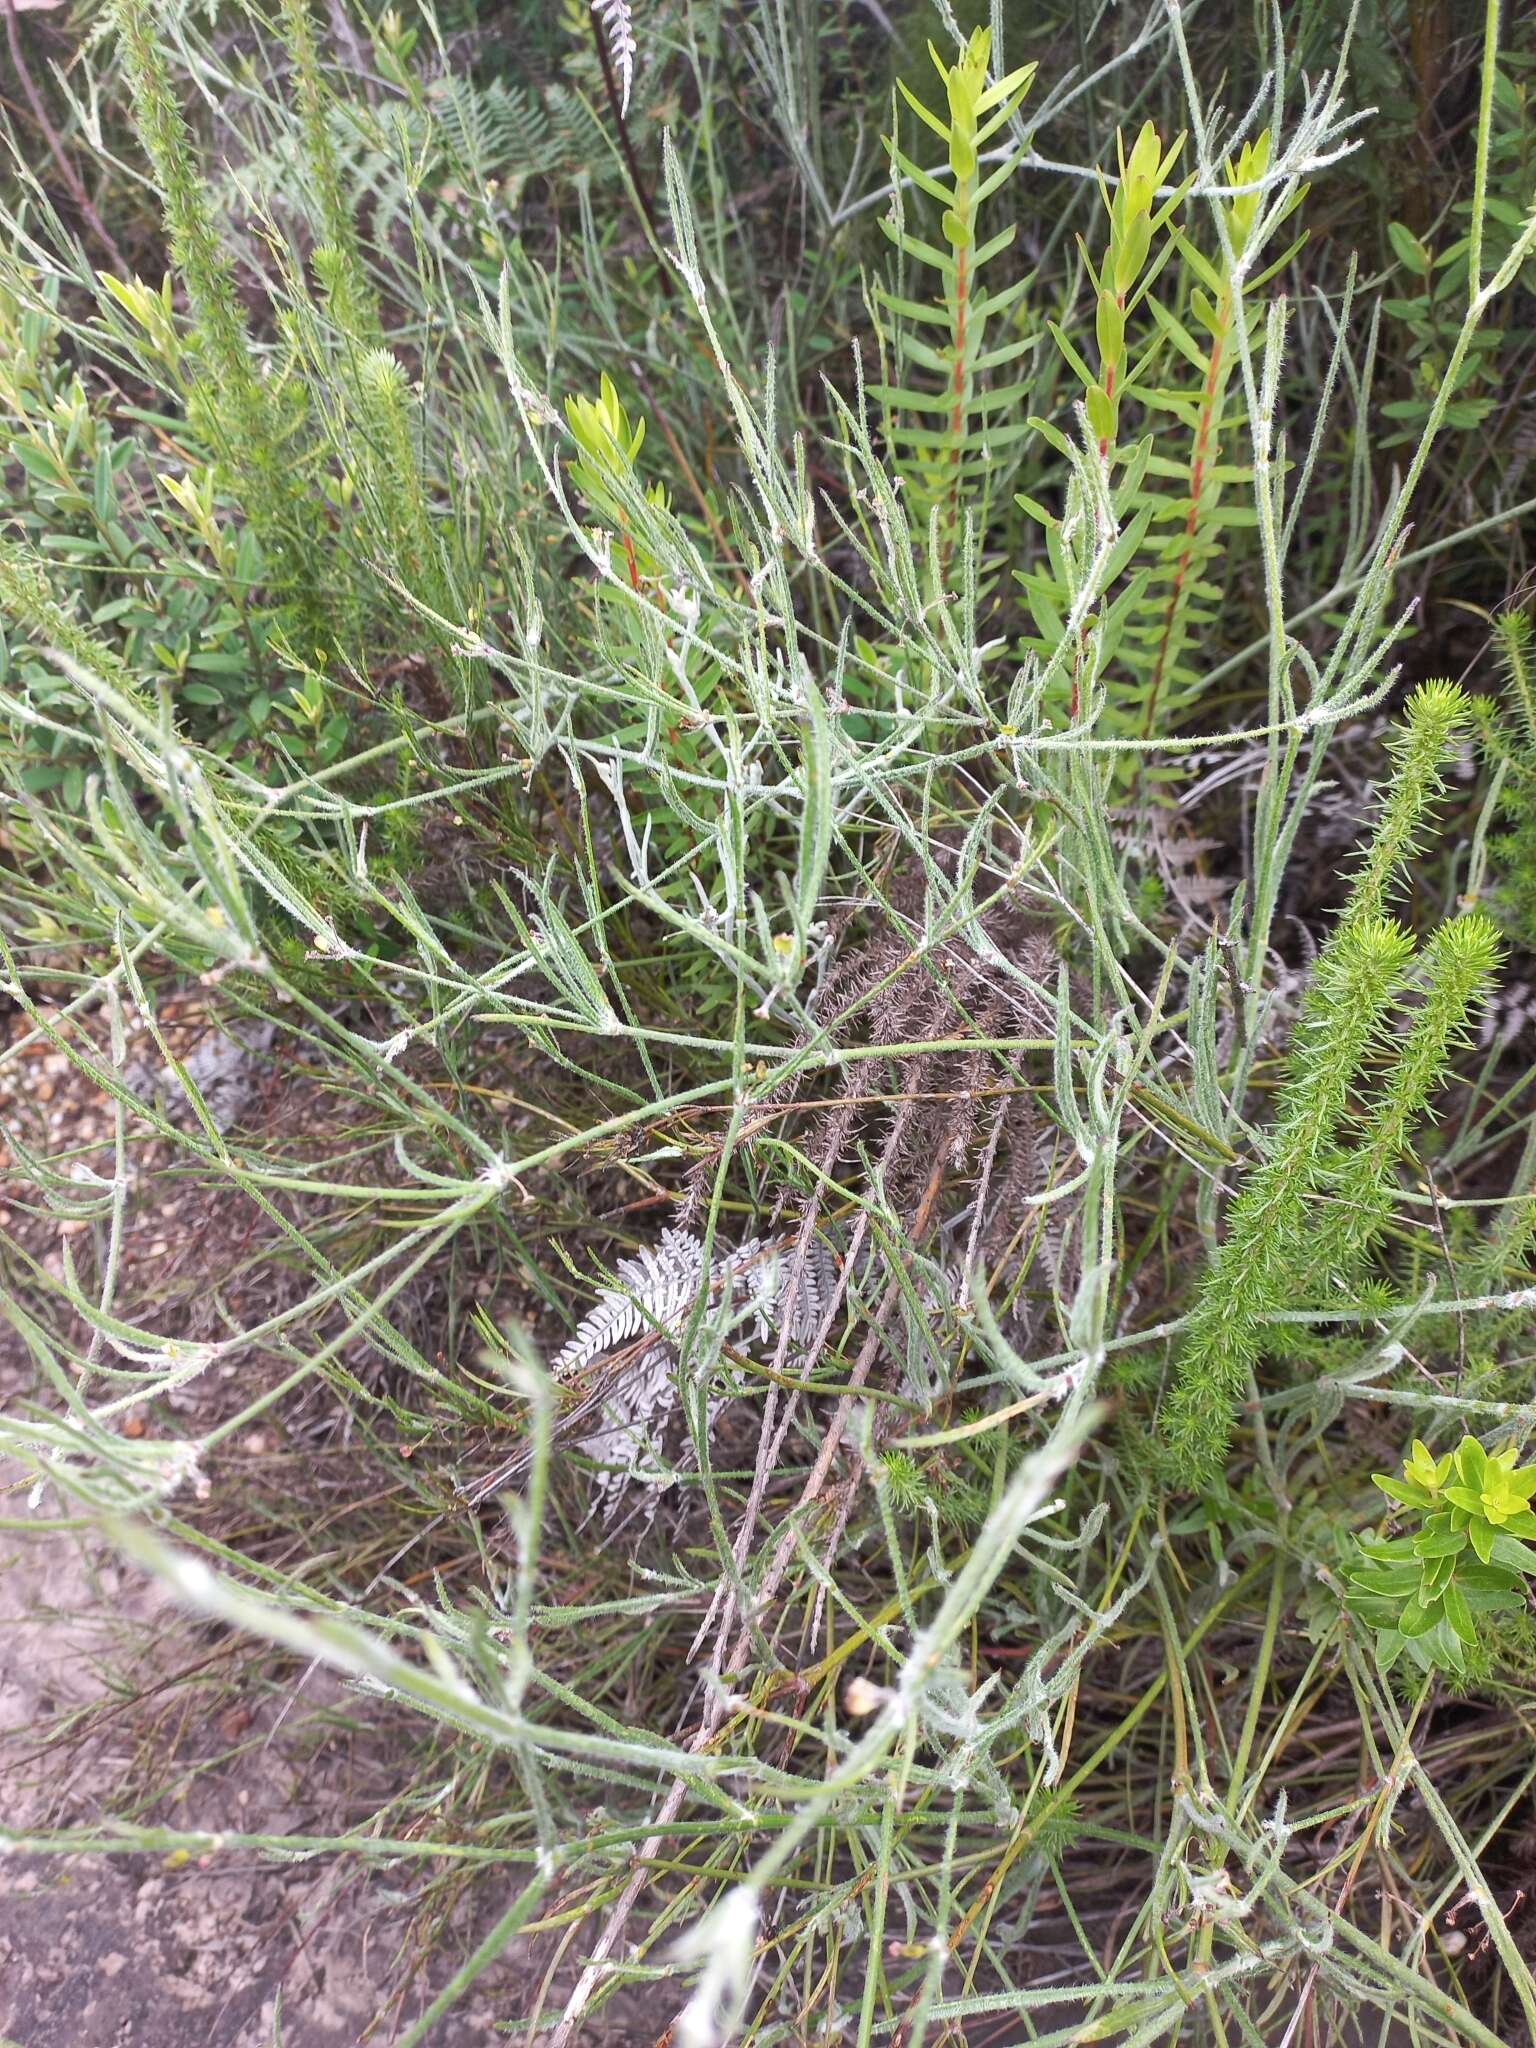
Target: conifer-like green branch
352,298
1418,747
248,421
1272,1247
26,598
1459,964
1190,495
1358,978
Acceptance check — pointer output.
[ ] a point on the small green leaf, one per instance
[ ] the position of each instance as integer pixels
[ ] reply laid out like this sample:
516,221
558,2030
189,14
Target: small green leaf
1390,1645
1101,410
1458,1614
1402,1491
1417,1620
1408,249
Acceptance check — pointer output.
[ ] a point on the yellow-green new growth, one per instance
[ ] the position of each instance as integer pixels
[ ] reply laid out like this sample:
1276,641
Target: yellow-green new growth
1471,1481
969,99
605,466
1125,273
1423,1593
603,433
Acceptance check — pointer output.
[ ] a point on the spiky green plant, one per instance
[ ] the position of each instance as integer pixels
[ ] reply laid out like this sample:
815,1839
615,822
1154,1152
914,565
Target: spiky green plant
1512,744
1312,1206
255,423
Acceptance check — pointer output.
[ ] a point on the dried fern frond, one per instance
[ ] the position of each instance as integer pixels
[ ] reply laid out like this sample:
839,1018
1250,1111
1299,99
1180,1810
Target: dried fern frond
653,1290
759,1286
619,27
943,1106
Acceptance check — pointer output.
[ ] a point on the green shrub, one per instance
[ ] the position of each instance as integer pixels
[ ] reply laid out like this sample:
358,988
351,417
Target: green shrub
765,760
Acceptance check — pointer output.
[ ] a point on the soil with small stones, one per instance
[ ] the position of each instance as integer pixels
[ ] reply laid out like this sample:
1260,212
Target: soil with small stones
101,1679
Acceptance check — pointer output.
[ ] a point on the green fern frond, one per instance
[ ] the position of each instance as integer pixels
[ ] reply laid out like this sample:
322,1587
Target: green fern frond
948,437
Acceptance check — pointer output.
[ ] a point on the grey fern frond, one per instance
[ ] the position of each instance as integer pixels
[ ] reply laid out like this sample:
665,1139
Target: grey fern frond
762,1283
656,1289
653,1290
619,27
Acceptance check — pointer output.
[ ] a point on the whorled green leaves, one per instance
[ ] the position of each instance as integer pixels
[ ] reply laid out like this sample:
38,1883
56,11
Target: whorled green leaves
1422,1595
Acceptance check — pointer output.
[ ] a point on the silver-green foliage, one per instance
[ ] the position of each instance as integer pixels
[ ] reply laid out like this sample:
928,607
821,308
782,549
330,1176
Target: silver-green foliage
707,727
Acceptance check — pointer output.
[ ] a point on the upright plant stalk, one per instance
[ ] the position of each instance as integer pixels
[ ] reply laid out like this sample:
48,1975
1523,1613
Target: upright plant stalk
1418,749
1272,1234
949,463
351,294
234,407
1124,276
1121,281
618,106
392,489
1206,346
1459,962
1358,979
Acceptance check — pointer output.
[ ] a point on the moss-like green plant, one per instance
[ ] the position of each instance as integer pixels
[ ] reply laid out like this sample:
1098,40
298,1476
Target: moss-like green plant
1459,961
354,297
1358,979
391,482
1511,741
1313,1206
27,599
252,423
1421,1594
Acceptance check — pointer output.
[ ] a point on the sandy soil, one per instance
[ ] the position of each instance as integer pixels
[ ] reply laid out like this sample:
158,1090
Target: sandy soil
103,1708
157,1952
98,1950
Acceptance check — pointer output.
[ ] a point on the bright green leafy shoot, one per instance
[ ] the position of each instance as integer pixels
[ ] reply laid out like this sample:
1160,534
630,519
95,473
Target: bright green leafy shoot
604,467
948,424
1423,1593
1125,274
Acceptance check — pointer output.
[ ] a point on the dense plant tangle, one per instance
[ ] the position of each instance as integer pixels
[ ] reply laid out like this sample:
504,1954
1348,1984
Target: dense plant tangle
757,1034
